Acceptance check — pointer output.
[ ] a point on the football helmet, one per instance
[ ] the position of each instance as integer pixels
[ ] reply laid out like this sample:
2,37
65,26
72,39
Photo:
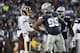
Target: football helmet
61,10
26,10
47,7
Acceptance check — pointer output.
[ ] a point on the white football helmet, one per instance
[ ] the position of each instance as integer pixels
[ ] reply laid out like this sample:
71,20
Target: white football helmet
26,10
47,7
61,10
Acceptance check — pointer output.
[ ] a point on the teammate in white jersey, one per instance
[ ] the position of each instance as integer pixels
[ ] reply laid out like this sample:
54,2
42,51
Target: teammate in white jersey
23,23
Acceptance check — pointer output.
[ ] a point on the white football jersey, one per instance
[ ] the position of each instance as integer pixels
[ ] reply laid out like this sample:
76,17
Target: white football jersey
23,23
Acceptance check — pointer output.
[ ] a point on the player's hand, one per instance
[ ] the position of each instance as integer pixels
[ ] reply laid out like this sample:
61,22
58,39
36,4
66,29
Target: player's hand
32,29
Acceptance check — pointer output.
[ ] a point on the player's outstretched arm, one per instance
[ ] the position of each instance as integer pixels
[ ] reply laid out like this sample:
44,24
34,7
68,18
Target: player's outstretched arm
37,24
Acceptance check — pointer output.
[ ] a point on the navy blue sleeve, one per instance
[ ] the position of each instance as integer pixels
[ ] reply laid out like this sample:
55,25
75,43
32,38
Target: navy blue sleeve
45,17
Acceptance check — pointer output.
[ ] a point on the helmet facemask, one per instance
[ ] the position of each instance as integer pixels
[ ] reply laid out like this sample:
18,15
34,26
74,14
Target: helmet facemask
61,13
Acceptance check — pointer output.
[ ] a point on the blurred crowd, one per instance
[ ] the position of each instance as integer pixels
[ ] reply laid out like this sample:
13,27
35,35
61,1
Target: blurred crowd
10,11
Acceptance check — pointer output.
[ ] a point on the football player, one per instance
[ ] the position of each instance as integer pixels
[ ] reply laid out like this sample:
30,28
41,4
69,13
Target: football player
24,25
67,16
51,23
76,28
61,12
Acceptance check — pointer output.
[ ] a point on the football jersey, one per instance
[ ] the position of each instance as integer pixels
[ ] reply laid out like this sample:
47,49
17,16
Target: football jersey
51,24
23,23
